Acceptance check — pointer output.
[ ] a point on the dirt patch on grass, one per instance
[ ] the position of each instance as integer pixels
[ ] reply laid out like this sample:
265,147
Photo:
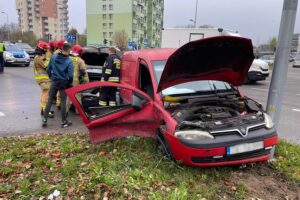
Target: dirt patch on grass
264,182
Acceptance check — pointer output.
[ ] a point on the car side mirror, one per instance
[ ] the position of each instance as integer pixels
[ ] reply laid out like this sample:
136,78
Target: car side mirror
136,103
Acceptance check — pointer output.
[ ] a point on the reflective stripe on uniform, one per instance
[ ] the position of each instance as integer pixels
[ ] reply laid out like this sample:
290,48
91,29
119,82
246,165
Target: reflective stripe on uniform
108,71
112,103
102,103
117,63
113,79
47,61
41,77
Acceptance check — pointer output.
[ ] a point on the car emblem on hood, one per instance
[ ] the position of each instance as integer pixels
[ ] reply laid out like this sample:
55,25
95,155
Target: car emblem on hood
243,132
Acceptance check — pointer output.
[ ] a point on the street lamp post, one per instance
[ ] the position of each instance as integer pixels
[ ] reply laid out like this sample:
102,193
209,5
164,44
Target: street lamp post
7,24
196,12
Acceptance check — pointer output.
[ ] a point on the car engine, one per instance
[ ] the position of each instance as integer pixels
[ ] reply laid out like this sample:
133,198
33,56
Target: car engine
216,114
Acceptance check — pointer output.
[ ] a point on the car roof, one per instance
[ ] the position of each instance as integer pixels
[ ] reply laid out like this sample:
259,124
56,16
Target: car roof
149,54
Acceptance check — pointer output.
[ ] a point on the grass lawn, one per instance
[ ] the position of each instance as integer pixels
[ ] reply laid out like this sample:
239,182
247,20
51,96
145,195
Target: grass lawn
133,168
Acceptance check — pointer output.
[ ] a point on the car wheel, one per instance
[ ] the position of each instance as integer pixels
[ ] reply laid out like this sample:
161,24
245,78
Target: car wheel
1,69
27,65
163,146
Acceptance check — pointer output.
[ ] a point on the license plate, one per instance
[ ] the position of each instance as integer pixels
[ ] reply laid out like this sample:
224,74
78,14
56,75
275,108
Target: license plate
21,60
242,148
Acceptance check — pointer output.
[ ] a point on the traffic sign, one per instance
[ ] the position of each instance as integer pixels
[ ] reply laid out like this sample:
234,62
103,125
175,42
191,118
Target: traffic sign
145,42
71,37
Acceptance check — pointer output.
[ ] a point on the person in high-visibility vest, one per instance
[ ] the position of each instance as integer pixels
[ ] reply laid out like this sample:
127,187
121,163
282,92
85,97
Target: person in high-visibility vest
110,73
41,76
80,73
58,50
2,49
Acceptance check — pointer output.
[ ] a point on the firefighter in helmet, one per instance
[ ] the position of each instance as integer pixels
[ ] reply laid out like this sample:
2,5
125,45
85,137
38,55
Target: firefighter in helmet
80,73
40,73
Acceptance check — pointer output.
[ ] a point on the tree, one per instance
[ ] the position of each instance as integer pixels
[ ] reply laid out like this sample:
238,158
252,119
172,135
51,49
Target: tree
82,40
73,31
272,44
120,38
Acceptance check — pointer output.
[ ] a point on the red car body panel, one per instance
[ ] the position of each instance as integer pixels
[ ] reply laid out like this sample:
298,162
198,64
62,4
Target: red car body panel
153,115
224,58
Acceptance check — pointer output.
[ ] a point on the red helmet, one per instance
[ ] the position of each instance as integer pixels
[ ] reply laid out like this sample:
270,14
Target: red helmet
43,45
77,49
53,44
60,43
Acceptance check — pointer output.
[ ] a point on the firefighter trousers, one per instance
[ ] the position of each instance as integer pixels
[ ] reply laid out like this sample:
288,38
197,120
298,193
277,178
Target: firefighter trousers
45,86
108,96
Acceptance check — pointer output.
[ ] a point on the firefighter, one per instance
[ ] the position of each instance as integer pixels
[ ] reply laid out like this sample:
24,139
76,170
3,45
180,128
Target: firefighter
80,73
59,45
49,53
53,46
41,76
110,73
2,49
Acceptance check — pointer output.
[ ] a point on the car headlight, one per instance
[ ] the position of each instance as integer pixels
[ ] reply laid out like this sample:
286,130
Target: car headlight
8,55
194,135
268,121
27,55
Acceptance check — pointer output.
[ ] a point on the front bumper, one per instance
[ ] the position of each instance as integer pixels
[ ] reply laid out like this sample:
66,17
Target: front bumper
17,61
214,152
257,76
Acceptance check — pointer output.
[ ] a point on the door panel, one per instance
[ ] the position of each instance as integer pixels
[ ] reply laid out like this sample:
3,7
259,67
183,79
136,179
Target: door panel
112,122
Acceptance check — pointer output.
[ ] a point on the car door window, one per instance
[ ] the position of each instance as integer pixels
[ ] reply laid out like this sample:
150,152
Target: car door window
89,101
145,81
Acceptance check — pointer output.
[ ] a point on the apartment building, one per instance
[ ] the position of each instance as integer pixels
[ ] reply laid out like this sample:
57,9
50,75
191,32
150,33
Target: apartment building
141,19
44,17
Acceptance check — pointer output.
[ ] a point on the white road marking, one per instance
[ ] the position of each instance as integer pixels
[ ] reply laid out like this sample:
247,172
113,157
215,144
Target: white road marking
260,89
2,114
296,110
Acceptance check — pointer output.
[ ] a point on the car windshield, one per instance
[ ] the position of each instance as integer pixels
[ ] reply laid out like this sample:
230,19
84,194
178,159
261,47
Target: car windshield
189,87
24,46
11,47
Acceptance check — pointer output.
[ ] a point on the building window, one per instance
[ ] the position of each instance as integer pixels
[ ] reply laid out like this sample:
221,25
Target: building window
111,16
111,7
104,34
104,16
111,25
104,7
104,25
111,34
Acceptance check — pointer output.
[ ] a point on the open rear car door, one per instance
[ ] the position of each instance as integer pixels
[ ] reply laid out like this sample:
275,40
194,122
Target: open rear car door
133,114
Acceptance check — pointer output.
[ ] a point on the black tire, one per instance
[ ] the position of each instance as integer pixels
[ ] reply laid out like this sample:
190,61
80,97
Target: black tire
27,65
163,146
1,70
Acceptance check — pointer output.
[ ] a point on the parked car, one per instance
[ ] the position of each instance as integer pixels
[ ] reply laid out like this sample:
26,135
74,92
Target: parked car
258,71
296,63
13,55
27,48
188,100
268,58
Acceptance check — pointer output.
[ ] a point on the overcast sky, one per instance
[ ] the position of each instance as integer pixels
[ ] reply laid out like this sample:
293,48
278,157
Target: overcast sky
257,19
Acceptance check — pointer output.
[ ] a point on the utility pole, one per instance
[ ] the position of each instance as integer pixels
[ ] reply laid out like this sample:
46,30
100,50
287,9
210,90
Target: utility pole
281,62
196,12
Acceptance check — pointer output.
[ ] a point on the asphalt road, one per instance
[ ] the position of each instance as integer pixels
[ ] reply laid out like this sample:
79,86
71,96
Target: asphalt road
20,113
20,106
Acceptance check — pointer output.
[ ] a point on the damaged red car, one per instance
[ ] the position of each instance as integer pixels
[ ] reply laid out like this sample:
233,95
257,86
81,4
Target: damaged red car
188,100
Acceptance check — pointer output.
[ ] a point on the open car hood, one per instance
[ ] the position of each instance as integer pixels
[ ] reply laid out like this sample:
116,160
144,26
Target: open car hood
224,58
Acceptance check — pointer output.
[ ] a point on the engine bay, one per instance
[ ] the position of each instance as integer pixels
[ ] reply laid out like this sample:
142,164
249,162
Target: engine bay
216,113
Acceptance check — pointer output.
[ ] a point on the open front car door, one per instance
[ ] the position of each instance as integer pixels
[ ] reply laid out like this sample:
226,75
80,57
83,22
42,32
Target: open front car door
133,113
